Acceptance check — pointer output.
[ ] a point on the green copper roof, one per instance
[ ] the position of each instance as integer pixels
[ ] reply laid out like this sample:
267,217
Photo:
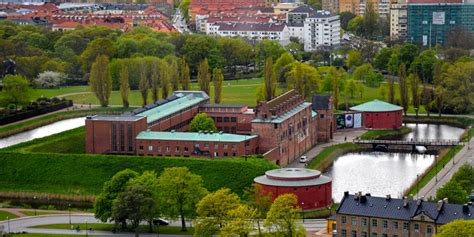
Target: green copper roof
285,116
314,113
193,136
185,100
376,106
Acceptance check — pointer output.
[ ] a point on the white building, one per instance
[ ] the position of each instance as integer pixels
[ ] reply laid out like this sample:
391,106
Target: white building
256,31
398,21
321,28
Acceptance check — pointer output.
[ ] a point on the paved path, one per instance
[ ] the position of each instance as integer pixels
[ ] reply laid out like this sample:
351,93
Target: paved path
465,155
339,137
18,211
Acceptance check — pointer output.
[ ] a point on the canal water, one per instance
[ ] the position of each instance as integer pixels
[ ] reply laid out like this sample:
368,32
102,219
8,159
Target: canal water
43,131
382,173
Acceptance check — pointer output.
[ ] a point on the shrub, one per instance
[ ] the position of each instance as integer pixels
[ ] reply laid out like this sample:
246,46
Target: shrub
49,79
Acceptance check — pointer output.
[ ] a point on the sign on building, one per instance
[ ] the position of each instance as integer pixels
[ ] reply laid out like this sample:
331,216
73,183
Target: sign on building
438,18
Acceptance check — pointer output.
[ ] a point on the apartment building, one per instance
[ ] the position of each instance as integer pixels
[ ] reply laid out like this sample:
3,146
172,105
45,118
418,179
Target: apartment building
321,28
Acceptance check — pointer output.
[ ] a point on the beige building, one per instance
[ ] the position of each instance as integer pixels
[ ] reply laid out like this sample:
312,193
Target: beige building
398,20
330,5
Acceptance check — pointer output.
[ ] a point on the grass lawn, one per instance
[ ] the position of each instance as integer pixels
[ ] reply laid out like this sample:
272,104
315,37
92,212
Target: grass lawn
108,227
4,215
43,235
379,134
329,154
68,142
59,91
32,213
26,125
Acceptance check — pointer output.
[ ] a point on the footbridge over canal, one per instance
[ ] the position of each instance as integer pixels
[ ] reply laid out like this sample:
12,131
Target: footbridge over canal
413,143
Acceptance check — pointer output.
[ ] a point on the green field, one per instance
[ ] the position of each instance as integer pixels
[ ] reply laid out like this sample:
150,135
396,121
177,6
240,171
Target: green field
376,134
43,235
68,142
4,215
38,213
170,230
80,174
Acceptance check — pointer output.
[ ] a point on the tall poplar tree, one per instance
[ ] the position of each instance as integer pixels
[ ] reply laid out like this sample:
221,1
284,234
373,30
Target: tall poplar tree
164,78
174,74
185,75
415,91
217,79
155,81
204,78
100,80
403,86
143,84
124,86
269,85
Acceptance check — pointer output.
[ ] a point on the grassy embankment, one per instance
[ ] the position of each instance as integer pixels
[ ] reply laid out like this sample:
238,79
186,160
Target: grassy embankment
171,230
4,215
380,134
26,125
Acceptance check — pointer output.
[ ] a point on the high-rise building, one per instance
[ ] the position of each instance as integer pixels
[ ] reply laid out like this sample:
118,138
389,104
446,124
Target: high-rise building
429,21
321,28
330,5
398,20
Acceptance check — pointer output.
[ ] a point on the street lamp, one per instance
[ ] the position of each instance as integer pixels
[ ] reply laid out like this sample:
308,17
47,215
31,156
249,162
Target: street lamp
34,203
302,210
69,209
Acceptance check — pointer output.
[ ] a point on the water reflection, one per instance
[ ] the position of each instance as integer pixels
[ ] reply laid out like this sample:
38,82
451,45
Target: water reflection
377,173
433,131
44,131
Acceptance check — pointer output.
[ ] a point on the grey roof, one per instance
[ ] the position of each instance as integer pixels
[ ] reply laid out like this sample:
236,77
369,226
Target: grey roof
281,118
320,102
321,14
250,26
303,9
393,208
115,118
298,177
193,136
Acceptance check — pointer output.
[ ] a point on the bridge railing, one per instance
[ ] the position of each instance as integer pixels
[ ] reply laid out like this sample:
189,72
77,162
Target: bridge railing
426,142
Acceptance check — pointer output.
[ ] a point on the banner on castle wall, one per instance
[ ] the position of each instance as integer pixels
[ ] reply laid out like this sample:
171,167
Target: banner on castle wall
357,120
349,120
340,121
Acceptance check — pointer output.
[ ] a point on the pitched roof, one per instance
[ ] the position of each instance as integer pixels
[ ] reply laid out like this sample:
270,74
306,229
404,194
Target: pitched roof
193,136
376,106
250,27
394,208
303,9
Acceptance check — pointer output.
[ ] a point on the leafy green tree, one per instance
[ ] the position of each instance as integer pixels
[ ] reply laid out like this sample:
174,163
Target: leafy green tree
184,8
153,47
143,85
197,48
204,78
124,86
407,54
439,91
458,227
382,59
345,18
423,65
155,81
465,177
267,49
236,51
174,74
72,40
415,91
269,81
391,90
351,88
180,192
16,90
241,221
355,25
303,78
110,191
281,66
126,47
383,91
427,97
453,191
213,211
261,201
283,214
360,89
459,78
100,80
362,72
136,204
403,87
370,21
185,76
201,122
100,46
165,80
54,65
353,59
217,79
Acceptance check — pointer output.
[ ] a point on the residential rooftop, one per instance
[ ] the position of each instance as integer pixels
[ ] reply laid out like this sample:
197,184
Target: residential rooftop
288,114
251,26
193,136
292,177
125,118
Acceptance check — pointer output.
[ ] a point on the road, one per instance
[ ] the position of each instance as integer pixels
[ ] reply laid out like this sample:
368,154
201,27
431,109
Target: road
339,137
465,155
25,224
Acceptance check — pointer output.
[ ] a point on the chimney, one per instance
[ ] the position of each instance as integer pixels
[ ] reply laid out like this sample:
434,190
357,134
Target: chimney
367,194
445,200
419,202
363,199
405,201
346,193
465,209
439,205
388,198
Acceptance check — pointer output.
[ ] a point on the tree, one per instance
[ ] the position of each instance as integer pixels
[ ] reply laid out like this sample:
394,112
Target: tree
370,20
50,79
217,78
281,66
124,86
459,37
304,79
427,97
362,72
256,198
135,205
100,80
267,49
143,84
184,8
185,78
403,87
269,80
355,25
351,88
458,227
16,90
204,77
345,18
353,59
100,46
415,91
236,51
382,58
241,221
213,210
174,74
407,54
334,82
383,92
201,122
360,89
180,192
391,90
459,78
283,214
439,91
423,65
465,177
453,191
155,81
165,80
110,191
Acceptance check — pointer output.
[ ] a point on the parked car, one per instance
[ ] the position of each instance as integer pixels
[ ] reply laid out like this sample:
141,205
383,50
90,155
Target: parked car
160,221
303,159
